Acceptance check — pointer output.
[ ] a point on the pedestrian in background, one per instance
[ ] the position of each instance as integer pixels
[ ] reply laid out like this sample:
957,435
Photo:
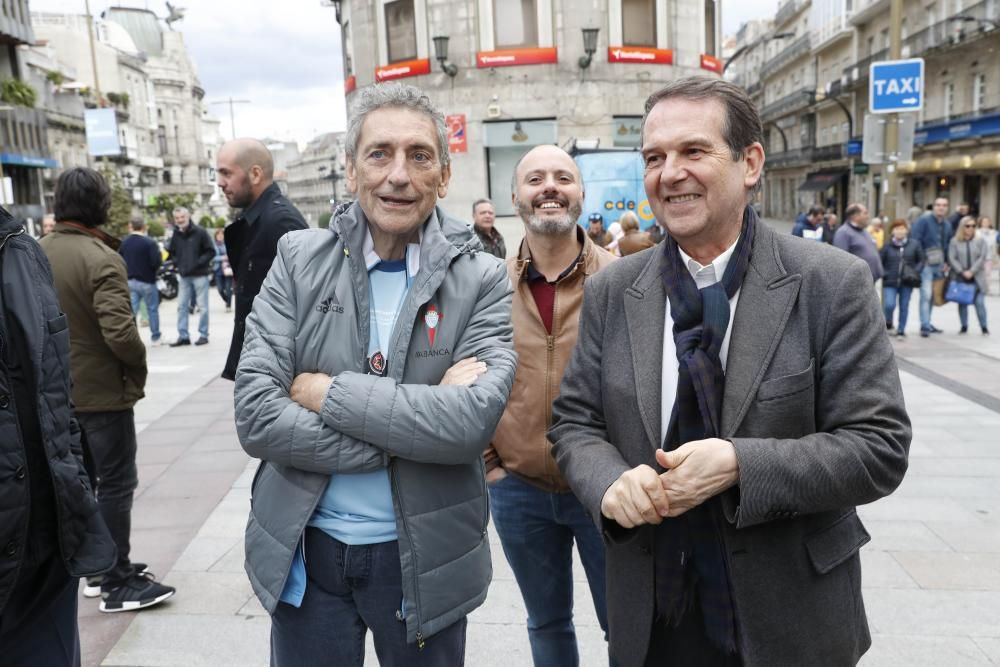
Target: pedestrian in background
955,218
813,227
142,259
933,231
596,232
988,233
484,222
536,515
223,271
967,255
51,523
902,260
853,237
192,251
245,170
633,240
108,367
616,234
876,230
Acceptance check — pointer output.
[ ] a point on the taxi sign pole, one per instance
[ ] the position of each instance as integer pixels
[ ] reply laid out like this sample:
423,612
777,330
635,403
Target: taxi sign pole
892,127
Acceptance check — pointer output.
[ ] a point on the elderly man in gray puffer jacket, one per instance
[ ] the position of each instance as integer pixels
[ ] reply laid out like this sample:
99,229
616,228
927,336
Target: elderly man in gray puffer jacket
378,360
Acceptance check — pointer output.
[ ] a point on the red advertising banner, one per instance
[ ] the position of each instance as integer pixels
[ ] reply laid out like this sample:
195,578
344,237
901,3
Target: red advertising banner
403,69
711,63
350,83
509,57
457,140
640,54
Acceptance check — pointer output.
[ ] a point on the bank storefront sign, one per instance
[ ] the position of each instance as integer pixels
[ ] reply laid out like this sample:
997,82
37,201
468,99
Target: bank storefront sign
613,182
983,126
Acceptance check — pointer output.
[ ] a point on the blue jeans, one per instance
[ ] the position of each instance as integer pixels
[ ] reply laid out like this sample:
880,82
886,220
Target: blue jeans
200,286
349,590
927,277
537,530
890,295
147,292
980,304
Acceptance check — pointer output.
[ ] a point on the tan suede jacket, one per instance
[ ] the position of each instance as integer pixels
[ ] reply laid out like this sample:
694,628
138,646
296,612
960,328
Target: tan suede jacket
519,444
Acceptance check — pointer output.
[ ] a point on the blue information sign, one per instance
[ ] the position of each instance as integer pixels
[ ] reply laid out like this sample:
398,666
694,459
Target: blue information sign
896,85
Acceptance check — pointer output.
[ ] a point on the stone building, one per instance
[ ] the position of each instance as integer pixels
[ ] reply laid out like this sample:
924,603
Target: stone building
24,148
957,143
520,75
315,178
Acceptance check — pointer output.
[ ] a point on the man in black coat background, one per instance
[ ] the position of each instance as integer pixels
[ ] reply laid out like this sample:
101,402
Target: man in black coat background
245,172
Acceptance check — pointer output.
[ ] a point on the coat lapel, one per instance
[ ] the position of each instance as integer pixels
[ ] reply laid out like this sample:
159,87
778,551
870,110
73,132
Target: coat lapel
645,308
766,299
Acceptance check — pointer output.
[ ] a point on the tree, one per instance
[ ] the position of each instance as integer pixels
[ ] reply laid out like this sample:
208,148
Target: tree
121,205
164,205
155,229
324,220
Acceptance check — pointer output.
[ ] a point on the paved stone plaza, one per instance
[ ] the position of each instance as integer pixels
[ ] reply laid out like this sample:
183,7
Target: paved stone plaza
931,572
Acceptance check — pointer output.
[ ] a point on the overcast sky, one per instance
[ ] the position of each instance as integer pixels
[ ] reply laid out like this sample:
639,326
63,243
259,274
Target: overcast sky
285,58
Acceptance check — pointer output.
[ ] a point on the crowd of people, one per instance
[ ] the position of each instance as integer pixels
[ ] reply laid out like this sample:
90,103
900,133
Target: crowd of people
672,407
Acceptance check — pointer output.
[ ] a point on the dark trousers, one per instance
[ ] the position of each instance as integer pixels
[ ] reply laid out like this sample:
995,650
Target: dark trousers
537,530
686,645
47,637
349,590
111,438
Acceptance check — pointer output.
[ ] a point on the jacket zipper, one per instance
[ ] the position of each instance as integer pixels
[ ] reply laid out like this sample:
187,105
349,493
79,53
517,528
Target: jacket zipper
6,238
413,554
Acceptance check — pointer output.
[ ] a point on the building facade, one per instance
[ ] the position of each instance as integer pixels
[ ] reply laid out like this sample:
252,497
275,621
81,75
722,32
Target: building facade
24,142
519,76
315,178
956,150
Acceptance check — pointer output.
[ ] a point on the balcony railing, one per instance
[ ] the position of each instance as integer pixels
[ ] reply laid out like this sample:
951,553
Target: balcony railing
15,22
24,131
795,50
831,31
859,70
790,158
787,11
799,99
827,153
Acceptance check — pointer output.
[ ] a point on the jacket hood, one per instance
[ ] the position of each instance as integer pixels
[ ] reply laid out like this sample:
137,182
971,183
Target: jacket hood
8,224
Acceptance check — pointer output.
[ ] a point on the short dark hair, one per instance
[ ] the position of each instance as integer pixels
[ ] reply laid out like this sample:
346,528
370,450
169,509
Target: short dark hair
137,224
82,195
816,210
742,125
476,204
852,210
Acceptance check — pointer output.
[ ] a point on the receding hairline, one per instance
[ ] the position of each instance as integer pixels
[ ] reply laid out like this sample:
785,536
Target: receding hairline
249,152
544,147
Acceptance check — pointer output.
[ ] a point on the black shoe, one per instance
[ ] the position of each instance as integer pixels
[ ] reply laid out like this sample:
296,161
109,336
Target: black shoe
93,587
924,333
900,334
934,329
201,341
139,591
986,332
888,326
181,341
963,330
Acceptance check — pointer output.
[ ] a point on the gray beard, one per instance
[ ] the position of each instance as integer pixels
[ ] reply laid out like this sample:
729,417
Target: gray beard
549,226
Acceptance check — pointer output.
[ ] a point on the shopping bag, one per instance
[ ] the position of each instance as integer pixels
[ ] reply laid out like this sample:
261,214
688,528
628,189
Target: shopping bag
960,292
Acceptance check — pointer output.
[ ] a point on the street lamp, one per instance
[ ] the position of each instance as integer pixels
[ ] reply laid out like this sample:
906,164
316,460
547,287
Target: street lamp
752,45
589,46
441,53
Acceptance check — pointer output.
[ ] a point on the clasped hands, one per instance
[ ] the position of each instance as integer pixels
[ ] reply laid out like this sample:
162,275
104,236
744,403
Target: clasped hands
696,471
309,389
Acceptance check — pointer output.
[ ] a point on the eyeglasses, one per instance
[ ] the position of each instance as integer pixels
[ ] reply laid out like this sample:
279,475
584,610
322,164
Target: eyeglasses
969,226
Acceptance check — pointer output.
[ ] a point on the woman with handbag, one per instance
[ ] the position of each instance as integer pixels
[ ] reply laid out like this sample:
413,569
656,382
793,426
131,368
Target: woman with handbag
223,271
902,261
967,255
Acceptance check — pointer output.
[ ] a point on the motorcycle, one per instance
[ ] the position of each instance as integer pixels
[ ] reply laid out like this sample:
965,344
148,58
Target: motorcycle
166,280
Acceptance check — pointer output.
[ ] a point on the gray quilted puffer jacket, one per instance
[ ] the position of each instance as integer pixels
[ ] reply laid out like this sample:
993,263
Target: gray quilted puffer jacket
312,315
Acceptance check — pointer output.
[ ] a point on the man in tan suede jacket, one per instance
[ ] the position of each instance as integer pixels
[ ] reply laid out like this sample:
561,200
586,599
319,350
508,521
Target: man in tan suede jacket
536,515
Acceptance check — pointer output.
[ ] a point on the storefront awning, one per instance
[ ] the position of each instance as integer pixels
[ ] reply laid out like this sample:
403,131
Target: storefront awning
28,161
821,180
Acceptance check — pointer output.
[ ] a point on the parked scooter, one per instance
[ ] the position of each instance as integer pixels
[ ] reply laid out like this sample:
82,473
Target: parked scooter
166,280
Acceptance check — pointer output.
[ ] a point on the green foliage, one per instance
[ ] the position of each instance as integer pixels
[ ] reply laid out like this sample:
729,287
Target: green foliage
155,229
55,77
18,93
324,220
164,205
121,205
119,99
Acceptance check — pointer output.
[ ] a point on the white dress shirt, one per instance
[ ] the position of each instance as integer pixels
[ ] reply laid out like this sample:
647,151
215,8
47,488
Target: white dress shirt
703,277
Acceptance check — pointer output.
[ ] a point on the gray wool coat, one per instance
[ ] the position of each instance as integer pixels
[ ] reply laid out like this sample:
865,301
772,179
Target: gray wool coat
971,256
814,408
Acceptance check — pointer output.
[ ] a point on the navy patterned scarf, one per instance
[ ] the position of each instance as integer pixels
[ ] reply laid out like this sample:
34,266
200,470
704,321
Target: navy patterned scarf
690,559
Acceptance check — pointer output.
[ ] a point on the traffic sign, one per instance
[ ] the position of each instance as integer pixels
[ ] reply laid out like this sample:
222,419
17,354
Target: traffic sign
896,85
873,145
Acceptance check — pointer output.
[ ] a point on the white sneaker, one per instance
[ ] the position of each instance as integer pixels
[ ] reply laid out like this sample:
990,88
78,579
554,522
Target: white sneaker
157,343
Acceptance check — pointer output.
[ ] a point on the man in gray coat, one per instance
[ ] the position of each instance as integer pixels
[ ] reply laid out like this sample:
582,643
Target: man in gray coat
377,363
754,403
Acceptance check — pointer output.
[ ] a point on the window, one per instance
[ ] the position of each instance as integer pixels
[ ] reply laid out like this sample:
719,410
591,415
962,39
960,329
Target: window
161,135
978,93
401,30
871,45
949,100
711,47
885,38
639,23
515,24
